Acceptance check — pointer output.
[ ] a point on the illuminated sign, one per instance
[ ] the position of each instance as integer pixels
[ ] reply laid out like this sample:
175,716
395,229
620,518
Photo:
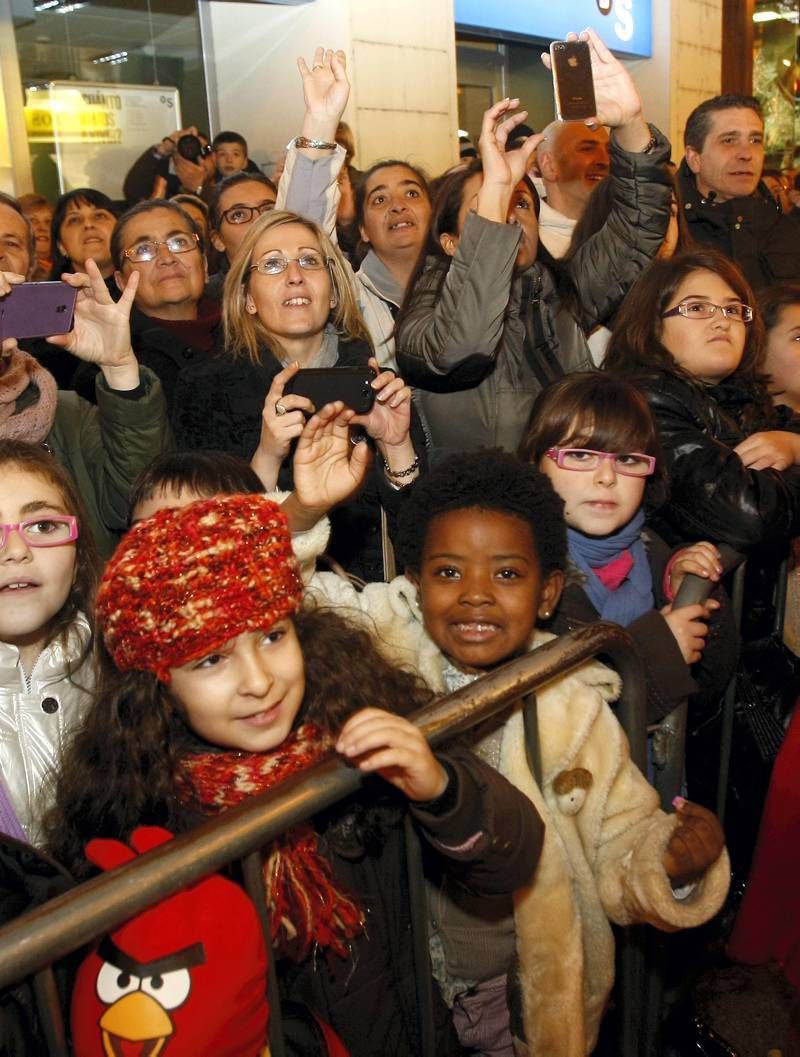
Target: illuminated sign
624,25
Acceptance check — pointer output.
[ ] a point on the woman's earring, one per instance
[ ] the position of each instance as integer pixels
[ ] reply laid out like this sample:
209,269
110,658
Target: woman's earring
333,301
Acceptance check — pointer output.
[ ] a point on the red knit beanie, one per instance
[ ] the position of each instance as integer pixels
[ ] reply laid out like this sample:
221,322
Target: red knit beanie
184,582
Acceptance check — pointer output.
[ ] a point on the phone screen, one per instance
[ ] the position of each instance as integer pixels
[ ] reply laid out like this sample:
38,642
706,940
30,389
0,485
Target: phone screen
571,63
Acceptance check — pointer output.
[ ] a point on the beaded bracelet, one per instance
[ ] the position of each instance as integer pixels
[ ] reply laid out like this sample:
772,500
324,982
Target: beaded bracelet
401,473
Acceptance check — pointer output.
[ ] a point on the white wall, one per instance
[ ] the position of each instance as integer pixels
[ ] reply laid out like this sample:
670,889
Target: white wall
401,56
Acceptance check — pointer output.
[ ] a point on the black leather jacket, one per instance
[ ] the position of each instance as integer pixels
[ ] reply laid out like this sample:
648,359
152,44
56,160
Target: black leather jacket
751,230
712,494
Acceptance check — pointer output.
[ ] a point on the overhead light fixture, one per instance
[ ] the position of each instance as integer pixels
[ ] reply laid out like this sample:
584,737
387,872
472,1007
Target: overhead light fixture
786,62
45,5
67,9
766,16
114,58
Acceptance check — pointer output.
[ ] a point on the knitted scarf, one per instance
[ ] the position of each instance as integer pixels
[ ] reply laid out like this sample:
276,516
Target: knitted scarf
307,907
627,595
28,397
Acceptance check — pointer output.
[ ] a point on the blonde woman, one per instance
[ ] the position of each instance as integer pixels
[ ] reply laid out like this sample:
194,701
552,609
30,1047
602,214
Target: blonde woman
288,303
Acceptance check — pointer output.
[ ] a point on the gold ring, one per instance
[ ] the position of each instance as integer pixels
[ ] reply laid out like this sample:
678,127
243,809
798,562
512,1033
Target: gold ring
280,409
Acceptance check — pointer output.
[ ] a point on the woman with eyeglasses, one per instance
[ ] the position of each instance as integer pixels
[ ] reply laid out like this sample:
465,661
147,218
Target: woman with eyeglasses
289,304
237,202
690,337
172,323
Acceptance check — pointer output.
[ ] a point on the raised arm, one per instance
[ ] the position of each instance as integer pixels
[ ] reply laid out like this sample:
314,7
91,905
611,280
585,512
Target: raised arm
309,184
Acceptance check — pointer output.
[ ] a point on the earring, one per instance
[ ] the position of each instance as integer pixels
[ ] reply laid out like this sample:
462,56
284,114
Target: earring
333,302
546,615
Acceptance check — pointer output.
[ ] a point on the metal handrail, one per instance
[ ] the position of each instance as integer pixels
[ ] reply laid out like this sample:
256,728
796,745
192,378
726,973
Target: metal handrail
69,921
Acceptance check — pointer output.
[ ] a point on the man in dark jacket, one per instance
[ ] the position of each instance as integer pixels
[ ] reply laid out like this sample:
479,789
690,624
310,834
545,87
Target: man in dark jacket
726,205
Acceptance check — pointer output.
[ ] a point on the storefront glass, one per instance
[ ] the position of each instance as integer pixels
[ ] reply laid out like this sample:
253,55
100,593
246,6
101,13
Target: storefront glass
776,79
102,81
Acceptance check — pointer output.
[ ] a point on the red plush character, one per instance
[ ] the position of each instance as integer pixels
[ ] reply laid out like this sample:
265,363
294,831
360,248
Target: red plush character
185,978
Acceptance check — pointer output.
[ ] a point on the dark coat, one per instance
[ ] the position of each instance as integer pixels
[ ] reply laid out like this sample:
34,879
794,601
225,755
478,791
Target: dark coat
669,679
713,495
751,230
373,999
217,406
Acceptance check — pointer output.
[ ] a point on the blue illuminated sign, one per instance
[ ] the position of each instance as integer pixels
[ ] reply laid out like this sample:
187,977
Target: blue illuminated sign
624,25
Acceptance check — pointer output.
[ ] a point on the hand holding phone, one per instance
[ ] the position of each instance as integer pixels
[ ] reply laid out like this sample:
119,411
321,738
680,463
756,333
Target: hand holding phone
325,385
37,310
571,65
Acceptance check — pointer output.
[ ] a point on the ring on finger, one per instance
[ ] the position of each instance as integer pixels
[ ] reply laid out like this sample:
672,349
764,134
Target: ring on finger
318,66
280,409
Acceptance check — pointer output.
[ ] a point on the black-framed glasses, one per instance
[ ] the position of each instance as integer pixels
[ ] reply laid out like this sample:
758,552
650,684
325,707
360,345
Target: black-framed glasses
50,531
276,264
143,252
629,464
246,214
700,308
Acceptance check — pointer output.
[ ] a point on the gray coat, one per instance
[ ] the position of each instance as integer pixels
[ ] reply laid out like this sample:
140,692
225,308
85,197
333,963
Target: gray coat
479,342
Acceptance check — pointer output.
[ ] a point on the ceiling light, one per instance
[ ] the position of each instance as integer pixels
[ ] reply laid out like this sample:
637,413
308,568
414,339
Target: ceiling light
766,16
45,5
114,58
67,9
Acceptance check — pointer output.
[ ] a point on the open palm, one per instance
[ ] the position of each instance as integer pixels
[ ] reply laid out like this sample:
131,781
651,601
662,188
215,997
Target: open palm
101,333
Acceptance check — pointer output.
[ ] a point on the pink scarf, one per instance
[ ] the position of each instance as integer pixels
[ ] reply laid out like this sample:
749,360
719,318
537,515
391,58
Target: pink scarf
32,422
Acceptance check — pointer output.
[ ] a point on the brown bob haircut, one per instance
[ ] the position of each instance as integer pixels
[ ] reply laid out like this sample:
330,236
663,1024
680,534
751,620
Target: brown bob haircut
636,346
589,409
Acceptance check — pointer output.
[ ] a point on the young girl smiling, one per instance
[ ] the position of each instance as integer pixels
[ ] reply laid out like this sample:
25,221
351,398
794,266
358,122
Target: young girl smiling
48,570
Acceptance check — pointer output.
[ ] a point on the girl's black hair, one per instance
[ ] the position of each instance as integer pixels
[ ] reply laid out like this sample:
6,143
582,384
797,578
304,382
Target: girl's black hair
80,196
207,473
485,480
121,767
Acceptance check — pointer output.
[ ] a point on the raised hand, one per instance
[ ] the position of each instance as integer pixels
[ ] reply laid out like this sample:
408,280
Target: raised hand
8,280
696,843
192,174
327,468
282,420
394,748
101,331
326,90
502,171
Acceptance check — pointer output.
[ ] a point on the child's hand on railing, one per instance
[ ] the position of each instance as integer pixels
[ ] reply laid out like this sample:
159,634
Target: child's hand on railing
696,843
700,559
689,627
395,749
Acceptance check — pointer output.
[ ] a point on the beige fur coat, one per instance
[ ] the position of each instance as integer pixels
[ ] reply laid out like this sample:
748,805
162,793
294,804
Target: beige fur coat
605,833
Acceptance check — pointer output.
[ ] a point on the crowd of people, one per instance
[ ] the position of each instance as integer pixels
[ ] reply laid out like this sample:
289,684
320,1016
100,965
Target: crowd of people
583,357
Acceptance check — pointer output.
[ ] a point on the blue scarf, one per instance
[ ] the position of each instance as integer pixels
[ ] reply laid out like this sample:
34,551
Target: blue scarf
634,596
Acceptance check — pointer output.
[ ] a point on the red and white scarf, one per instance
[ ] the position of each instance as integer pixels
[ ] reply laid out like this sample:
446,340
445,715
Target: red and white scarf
307,907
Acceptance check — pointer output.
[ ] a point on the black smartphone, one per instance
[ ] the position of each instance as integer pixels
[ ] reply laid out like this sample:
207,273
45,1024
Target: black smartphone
323,385
37,310
571,65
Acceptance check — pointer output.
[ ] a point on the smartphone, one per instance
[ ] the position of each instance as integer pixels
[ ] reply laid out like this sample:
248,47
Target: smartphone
323,385
37,310
571,64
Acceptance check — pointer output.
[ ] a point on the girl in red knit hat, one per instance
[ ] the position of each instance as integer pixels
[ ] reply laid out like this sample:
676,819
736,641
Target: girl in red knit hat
217,687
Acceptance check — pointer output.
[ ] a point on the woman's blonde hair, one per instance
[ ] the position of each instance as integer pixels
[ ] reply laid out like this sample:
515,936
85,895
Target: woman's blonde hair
245,334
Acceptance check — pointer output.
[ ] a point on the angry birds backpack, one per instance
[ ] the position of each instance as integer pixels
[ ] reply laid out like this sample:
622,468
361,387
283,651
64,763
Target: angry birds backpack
184,978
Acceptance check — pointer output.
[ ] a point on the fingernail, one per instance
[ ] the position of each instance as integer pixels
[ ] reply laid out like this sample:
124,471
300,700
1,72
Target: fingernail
678,802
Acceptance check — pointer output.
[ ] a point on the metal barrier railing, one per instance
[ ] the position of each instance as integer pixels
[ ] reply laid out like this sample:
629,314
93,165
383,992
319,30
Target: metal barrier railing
32,943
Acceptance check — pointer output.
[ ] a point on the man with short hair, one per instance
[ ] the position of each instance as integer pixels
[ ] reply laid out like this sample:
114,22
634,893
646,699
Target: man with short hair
572,159
726,205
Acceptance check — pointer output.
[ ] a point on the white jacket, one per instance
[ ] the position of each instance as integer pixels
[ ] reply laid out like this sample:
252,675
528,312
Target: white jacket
603,848
37,712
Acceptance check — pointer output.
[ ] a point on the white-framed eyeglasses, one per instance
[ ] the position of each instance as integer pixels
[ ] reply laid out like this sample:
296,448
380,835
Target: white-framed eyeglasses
143,252
50,531
629,464
276,264
700,308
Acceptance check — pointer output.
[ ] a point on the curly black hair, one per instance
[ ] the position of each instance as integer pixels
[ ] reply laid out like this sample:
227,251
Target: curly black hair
485,480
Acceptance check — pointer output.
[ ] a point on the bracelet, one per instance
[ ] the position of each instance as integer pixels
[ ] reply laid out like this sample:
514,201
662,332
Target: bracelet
303,143
401,473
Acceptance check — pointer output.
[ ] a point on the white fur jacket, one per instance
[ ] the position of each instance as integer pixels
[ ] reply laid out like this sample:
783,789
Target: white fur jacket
605,833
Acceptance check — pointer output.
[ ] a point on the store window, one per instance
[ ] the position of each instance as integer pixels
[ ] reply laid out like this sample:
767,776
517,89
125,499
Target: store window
776,80
102,81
